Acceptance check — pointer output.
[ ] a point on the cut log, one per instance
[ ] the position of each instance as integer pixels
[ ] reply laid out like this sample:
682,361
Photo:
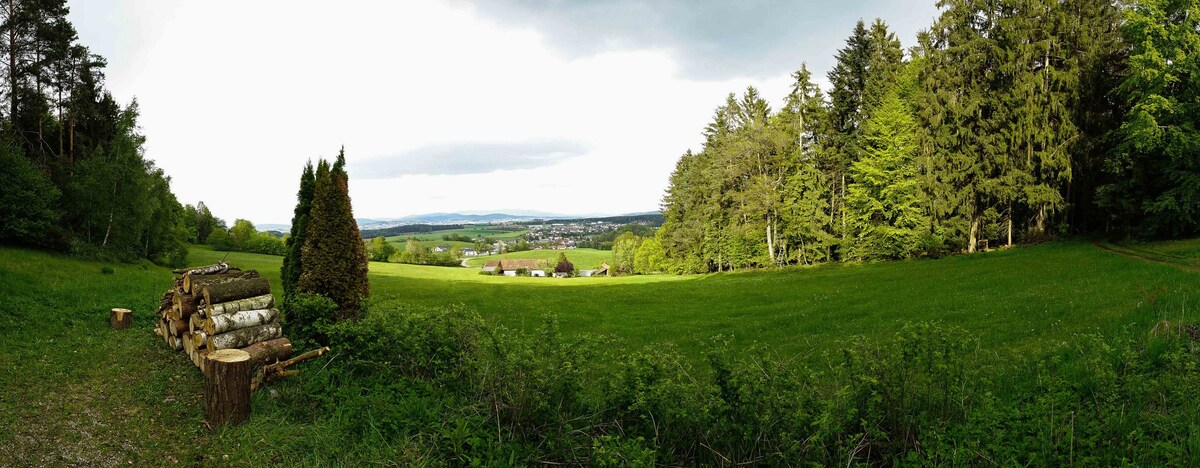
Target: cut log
238,320
265,301
192,283
234,290
219,267
201,358
244,337
227,388
268,352
280,370
120,319
174,342
176,327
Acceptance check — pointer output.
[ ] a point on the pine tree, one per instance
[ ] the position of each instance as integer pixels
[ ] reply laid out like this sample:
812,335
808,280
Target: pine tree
334,258
884,200
292,264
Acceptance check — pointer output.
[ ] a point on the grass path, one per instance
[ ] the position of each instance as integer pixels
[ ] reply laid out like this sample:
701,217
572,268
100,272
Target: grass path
1145,253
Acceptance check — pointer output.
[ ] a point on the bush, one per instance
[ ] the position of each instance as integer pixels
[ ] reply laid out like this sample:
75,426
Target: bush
107,270
470,393
308,318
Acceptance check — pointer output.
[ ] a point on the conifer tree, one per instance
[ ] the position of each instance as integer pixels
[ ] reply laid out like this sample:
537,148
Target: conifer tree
334,258
884,199
292,264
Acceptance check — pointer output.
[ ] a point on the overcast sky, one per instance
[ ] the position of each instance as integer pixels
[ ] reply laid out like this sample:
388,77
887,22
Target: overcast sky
574,107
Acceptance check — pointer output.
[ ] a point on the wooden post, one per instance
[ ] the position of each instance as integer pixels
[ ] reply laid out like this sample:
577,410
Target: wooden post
226,387
120,319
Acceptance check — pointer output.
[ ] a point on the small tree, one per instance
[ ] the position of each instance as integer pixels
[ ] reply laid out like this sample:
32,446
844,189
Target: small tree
290,273
242,235
564,265
381,249
625,252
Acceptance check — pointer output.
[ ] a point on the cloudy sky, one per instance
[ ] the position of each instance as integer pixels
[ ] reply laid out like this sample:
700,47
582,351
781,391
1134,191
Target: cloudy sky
574,107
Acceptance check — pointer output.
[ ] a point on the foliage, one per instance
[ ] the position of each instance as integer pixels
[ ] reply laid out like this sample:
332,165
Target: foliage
334,259
1156,174
563,265
625,249
416,254
292,266
244,237
379,250
28,201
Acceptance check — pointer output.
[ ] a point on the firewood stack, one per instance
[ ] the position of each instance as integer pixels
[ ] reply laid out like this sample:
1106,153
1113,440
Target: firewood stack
222,307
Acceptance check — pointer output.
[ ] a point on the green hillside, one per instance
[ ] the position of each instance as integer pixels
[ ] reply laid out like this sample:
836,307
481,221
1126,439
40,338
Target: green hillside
583,259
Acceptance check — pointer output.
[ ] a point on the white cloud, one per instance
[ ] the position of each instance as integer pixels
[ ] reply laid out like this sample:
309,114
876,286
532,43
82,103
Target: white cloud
235,96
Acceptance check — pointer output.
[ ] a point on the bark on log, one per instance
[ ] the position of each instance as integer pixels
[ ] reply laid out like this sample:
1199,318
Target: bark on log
176,327
244,337
219,267
185,306
227,388
280,370
195,323
238,320
268,352
265,301
192,283
120,319
234,290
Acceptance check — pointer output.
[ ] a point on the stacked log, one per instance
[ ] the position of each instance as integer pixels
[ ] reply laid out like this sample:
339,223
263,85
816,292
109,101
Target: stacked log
215,307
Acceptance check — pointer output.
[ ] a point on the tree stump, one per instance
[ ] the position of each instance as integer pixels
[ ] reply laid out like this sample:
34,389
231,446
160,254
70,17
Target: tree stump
226,387
120,319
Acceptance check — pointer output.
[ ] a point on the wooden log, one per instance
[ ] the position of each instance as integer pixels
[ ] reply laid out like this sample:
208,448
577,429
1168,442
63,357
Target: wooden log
219,267
120,319
268,352
192,283
265,301
280,370
244,337
238,320
174,342
227,388
234,290
176,327
201,359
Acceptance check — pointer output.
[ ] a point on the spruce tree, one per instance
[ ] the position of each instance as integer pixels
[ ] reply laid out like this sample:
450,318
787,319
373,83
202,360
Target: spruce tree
884,200
292,264
334,258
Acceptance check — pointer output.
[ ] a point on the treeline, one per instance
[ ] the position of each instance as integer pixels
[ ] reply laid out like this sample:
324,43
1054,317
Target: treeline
1008,121
71,157
410,229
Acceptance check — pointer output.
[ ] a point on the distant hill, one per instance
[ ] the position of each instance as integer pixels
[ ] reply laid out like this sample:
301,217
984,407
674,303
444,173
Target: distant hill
400,229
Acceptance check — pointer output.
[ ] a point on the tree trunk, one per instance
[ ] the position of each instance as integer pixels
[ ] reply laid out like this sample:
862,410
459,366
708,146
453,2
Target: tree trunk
234,290
244,337
227,388
107,230
120,319
267,352
185,306
265,301
239,320
1010,223
972,240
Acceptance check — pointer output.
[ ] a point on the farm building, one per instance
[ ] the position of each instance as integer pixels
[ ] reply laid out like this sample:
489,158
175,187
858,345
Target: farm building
491,266
469,252
440,249
510,267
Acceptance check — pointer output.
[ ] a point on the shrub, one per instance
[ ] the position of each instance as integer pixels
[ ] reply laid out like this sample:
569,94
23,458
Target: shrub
106,270
308,317
27,202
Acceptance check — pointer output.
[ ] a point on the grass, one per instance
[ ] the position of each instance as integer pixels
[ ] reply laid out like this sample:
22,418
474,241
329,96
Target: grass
72,391
1019,299
583,259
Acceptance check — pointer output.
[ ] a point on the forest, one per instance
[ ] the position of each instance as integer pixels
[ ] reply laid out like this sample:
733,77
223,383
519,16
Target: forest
1009,121
71,156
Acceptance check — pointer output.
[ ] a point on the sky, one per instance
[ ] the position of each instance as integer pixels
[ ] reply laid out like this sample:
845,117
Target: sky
555,106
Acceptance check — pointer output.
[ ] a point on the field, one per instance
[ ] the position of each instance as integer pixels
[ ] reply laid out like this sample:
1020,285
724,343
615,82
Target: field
583,259
72,391
1018,299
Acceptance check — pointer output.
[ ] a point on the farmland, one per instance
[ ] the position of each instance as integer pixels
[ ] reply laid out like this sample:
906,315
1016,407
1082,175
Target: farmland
583,259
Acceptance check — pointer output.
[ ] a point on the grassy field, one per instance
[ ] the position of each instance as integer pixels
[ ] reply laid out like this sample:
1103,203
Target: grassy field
1018,299
73,392
583,259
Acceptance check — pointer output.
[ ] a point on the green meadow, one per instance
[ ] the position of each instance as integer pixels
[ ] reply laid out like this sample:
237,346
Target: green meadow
1016,299
583,259
72,391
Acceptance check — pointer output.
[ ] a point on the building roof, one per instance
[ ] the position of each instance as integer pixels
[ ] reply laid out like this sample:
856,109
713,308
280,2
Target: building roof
516,264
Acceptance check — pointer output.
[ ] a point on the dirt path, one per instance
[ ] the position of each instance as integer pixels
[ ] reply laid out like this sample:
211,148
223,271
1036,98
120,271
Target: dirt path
1124,252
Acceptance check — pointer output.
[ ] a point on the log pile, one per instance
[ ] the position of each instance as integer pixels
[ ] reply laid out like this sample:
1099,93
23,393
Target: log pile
215,307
